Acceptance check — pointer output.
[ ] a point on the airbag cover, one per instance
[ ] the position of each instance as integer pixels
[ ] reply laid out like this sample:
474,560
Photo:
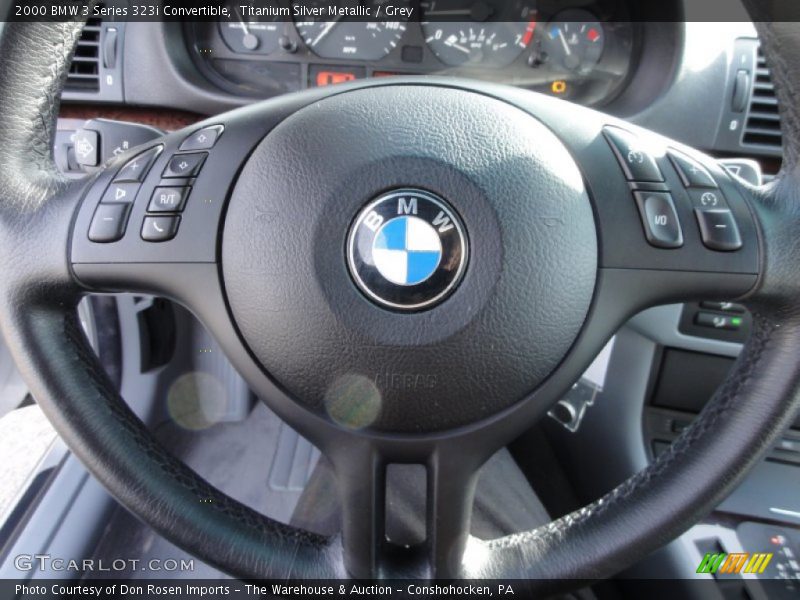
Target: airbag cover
524,295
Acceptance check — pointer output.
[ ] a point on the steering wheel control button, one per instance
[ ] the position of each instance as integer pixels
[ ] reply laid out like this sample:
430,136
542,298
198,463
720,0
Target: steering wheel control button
717,321
707,199
120,192
160,229
730,307
136,169
718,229
637,163
185,165
407,250
693,174
661,226
168,199
745,169
117,137
203,139
87,147
108,222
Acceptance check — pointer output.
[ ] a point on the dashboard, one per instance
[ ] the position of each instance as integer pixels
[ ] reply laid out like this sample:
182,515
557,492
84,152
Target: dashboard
702,83
579,50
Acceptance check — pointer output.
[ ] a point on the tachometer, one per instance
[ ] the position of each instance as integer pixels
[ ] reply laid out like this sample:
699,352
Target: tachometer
246,34
574,41
486,33
370,40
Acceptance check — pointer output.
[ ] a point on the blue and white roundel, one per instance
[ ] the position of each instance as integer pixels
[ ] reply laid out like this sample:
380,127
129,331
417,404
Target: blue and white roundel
407,250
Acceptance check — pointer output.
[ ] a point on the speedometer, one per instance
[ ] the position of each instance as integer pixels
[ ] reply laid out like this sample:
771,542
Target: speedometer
492,34
371,40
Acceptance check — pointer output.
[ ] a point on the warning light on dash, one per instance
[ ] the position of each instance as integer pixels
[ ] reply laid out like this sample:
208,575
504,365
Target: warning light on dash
333,77
558,87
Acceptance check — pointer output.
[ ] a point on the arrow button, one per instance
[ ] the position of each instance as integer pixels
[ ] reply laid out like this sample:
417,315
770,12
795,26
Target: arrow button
120,192
185,165
202,139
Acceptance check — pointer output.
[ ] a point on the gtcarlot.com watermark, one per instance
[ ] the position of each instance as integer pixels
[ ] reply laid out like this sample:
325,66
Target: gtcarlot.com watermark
46,562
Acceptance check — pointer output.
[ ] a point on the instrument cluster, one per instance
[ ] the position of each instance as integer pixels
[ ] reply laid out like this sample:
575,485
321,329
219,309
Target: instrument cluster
574,49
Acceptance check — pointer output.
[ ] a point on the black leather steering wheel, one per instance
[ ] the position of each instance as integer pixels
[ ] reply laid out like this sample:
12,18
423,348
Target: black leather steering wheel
557,262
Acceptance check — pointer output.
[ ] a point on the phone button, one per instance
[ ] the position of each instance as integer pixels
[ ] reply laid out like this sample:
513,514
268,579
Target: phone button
160,229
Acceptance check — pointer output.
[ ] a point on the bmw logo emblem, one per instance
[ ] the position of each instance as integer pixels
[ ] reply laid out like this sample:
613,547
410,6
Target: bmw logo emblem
407,250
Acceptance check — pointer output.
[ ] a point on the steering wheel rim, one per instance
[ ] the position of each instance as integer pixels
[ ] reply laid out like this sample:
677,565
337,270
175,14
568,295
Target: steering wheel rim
39,294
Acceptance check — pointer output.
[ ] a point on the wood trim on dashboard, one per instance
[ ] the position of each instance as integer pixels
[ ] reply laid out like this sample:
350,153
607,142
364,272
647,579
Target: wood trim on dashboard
166,119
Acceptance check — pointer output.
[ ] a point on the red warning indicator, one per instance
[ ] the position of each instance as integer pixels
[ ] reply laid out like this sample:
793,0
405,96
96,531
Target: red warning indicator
333,77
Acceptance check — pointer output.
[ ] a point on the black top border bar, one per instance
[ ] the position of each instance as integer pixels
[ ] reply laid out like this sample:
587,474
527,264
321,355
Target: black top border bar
381,11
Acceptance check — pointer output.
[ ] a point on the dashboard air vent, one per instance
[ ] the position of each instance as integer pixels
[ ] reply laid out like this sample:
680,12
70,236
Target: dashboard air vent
84,72
763,125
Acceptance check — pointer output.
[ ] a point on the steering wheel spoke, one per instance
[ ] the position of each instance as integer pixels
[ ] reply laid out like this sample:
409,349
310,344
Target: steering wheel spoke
361,469
672,224
451,491
361,481
151,219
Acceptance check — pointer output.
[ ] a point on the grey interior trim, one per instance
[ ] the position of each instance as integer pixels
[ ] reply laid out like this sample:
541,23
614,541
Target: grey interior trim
707,53
66,523
73,510
660,324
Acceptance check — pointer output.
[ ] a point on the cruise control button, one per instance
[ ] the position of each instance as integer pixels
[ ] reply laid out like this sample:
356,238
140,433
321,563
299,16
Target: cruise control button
637,163
203,139
121,192
160,229
661,226
108,222
168,199
718,229
692,173
708,199
136,168
184,165
728,322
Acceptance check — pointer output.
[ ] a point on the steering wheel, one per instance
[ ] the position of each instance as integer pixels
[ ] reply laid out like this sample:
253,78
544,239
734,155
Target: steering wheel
406,271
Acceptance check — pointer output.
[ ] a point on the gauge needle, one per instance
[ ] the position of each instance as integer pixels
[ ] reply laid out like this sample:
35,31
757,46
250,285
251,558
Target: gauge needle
328,26
452,43
245,28
564,42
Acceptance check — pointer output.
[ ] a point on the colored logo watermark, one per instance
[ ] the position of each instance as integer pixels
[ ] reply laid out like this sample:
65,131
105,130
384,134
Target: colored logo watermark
734,563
